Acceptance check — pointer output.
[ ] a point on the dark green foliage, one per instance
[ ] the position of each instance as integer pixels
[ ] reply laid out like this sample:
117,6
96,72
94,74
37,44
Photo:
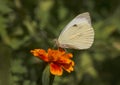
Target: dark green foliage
29,24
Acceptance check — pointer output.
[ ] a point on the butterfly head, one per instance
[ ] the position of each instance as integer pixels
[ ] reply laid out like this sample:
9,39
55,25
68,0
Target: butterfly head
57,43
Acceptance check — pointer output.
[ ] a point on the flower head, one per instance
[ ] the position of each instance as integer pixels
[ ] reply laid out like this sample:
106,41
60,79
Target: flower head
58,60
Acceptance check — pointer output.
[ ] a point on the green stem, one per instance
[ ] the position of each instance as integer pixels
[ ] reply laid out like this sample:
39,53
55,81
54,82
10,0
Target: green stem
51,79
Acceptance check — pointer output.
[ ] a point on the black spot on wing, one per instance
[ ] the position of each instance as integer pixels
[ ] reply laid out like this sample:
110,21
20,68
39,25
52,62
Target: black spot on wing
75,25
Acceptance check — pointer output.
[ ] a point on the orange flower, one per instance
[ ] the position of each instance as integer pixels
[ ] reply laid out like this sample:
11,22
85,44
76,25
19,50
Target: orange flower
57,59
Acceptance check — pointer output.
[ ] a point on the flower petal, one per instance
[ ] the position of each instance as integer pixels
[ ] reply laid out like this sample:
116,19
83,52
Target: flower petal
68,67
40,53
68,55
55,69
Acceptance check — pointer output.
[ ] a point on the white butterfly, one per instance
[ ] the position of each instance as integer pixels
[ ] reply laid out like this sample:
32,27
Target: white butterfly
78,34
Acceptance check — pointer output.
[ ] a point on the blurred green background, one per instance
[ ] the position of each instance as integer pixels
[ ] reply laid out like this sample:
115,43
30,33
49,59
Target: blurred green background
29,24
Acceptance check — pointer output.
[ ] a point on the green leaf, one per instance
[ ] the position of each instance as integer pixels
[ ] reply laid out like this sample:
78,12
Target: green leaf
108,30
46,76
43,12
87,65
62,12
4,8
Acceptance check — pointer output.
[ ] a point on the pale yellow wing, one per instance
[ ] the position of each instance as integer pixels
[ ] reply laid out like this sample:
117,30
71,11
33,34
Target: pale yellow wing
78,36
